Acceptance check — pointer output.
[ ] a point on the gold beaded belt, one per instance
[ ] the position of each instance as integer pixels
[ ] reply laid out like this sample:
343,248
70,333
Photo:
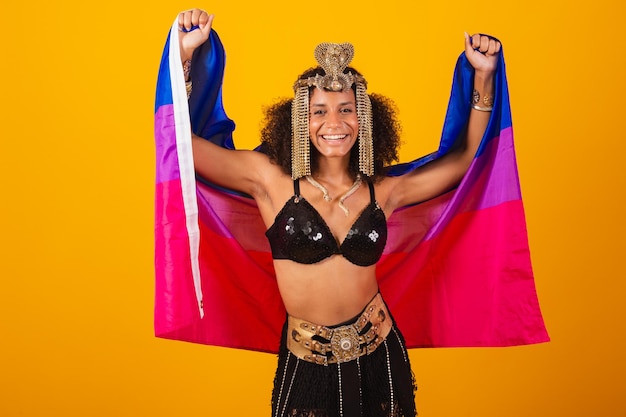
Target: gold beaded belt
342,343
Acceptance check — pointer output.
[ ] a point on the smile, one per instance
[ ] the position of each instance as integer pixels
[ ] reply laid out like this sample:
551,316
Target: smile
334,137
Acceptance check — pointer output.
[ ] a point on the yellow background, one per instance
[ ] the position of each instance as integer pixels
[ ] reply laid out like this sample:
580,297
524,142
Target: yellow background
77,175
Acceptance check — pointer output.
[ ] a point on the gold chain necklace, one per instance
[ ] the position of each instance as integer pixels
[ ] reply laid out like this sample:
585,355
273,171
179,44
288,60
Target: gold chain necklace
327,197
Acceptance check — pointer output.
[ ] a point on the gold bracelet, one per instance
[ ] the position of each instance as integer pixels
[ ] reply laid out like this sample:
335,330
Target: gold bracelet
475,107
188,87
487,99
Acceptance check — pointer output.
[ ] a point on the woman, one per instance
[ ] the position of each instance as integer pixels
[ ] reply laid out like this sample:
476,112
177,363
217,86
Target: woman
325,214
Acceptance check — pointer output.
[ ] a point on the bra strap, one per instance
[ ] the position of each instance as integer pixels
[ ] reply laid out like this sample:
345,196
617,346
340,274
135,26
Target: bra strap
372,195
296,187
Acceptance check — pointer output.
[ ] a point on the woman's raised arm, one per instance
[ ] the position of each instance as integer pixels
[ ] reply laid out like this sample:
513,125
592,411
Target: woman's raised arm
445,173
240,170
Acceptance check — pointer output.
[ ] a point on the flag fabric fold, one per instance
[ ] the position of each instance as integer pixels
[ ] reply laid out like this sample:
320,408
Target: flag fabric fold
456,270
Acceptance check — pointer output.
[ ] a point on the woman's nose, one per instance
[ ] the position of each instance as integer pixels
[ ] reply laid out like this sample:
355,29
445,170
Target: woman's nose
333,119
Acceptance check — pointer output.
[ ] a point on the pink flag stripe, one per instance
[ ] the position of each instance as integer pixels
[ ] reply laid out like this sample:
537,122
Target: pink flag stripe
459,279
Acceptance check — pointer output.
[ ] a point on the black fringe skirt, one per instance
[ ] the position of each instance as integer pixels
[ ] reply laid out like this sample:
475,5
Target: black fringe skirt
380,384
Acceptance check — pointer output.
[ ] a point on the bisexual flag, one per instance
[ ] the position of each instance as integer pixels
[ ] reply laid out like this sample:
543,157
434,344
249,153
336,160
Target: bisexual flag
456,270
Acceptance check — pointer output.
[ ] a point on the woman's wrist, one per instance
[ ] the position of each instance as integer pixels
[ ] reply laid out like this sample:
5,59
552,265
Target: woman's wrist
187,68
482,95
187,75
186,53
484,79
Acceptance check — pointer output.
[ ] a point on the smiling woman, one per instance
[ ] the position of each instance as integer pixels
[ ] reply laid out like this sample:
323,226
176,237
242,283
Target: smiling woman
331,253
276,135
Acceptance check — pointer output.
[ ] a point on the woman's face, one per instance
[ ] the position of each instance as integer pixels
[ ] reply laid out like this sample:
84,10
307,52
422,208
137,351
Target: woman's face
333,123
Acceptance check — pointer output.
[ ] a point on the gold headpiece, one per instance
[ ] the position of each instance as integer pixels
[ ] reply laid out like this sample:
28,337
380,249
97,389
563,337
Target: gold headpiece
334,59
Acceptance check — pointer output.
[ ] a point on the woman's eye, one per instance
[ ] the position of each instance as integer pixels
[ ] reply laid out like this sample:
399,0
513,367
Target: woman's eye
346,110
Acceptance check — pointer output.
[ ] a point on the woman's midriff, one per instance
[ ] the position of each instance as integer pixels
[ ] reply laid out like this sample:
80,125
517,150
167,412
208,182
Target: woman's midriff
327,292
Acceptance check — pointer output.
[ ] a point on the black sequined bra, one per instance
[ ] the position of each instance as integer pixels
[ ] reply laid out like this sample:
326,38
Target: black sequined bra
300,234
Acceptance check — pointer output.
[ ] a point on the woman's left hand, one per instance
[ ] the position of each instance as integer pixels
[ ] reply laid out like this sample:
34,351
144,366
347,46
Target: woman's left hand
482,52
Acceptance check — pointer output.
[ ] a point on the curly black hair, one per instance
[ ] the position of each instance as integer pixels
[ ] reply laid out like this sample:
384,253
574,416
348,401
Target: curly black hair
276,132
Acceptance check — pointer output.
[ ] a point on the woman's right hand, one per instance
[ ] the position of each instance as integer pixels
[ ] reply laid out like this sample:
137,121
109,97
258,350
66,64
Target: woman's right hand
189,39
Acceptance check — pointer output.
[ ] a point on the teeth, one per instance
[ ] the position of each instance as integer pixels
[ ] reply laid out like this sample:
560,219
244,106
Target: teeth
333,137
